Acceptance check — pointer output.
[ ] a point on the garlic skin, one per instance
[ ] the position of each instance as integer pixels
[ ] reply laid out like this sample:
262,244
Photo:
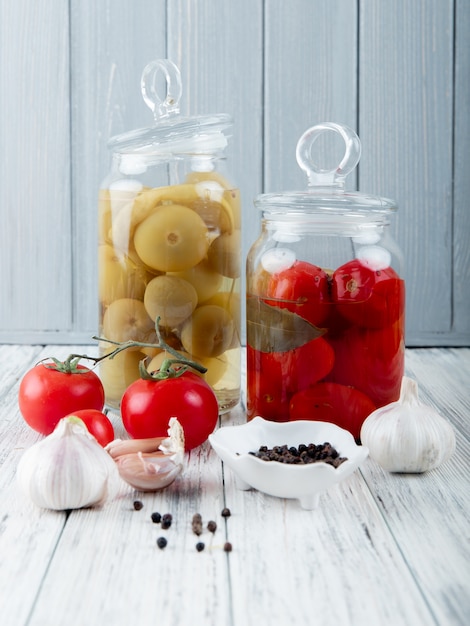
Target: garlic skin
150,464
68,469
408,436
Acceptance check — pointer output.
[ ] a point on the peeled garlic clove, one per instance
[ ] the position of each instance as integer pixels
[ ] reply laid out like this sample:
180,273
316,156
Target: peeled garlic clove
408,436
118,447
68,469
156,464
148,471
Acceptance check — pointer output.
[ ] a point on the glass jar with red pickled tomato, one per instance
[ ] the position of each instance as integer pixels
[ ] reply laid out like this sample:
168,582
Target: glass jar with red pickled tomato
325,297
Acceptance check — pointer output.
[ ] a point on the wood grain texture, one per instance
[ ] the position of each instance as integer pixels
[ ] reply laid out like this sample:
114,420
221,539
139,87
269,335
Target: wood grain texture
35,190
144,585
396,72
218,47
111,42
461,224
28,534
416,522
309,77
381,548
309,559
405,124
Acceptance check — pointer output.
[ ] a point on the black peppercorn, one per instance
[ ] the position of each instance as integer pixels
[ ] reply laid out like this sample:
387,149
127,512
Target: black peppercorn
200,546
197,524
156,518
211,526
227,546
226,512
161,542
301,455
166,520
138,505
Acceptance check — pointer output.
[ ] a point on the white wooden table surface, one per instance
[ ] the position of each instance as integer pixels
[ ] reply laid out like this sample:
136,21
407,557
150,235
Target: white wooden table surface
380,549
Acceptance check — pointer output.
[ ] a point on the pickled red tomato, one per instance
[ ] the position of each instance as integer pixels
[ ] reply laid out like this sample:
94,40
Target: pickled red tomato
264,397
367,297
172,238
303,289
371,360
275,376
331,402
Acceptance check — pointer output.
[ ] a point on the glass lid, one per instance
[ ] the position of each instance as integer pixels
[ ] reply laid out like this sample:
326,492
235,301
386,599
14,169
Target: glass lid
172,132
325,192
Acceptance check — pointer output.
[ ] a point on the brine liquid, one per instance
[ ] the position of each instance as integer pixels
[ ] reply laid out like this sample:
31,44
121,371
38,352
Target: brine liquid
349,369
173,254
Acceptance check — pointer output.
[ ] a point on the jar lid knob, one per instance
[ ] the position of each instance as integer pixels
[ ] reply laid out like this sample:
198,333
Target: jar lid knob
161,107
318,176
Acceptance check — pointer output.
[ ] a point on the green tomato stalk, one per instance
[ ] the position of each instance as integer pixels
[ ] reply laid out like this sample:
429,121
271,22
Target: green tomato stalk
167,368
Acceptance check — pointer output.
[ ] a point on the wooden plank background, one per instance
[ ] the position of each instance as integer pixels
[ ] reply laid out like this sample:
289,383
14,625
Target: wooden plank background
70,78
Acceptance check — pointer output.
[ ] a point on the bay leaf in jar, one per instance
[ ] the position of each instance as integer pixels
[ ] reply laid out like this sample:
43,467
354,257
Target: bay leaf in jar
272,329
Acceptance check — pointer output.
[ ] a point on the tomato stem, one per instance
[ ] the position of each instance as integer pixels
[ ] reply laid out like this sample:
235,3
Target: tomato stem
166,370
70,365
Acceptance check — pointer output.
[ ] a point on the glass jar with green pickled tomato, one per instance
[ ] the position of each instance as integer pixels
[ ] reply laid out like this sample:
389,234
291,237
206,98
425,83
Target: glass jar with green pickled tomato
169,245
325,297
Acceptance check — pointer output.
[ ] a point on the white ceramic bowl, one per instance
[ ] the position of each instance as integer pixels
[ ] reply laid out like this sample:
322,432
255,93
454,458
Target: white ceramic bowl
303,482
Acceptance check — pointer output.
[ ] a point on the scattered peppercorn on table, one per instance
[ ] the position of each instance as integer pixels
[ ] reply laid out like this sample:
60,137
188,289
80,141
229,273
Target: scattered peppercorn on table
381,548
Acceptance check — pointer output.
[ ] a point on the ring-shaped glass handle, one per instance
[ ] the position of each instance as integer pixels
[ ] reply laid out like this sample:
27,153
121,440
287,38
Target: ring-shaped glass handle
167,105
326,177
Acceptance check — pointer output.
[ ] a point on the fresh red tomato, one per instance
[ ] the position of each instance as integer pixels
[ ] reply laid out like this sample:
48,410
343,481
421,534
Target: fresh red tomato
367,297
148,405
371,360
273,377
47,394
97,423
330,402
302,289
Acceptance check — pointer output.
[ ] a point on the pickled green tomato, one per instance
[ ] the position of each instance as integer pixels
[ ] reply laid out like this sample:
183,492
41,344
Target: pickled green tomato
170,298
119,276
118,373
214,214
165,253
216,368
109,204
172,238
224,214
208,332
126,319
224,254
230,300
205,280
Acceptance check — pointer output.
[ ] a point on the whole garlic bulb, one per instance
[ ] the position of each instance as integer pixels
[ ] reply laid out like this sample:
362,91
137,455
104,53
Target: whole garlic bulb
408,436
68,469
